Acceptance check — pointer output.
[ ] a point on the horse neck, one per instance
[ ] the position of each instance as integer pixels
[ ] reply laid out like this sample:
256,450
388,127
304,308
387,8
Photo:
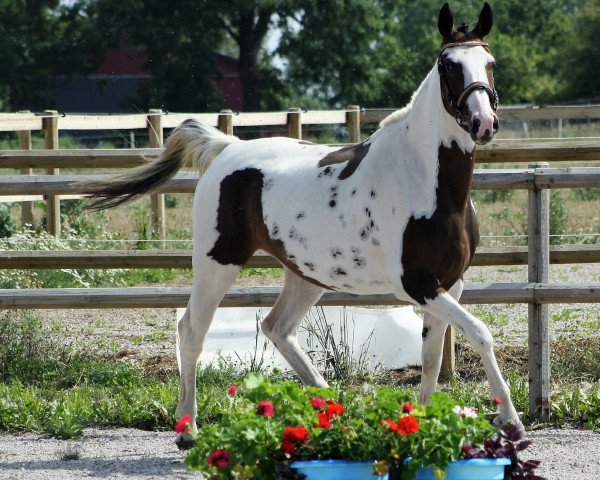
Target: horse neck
443,150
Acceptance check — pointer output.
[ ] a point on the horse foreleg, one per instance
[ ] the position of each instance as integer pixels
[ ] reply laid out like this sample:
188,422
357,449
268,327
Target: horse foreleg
282,322
211,282
444,306
434,331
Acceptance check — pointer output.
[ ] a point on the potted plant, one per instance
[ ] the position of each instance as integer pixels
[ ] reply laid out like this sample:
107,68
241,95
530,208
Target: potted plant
285,431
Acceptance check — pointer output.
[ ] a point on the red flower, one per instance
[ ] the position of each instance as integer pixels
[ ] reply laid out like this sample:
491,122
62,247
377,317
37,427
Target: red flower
317,403
334,408
407,407
232,390
219,458
292,437
497,400
265,408
184,425
324,420
393,426
407,425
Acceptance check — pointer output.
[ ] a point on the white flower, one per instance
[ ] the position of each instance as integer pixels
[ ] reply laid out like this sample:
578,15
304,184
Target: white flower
465,412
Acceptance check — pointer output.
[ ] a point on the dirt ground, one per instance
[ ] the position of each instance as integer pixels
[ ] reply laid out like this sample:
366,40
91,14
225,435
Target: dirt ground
566,454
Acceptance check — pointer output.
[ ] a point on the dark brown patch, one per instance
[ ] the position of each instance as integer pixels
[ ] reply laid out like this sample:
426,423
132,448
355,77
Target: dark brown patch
424,332
241,226
353,154
437,250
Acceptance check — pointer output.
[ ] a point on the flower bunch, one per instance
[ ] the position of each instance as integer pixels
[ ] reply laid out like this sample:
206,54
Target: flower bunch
265,427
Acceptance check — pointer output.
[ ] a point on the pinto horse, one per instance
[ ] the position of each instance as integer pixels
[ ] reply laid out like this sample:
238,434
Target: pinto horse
392,214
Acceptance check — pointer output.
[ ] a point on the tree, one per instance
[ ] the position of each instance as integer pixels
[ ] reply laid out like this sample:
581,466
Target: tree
40,39
580,57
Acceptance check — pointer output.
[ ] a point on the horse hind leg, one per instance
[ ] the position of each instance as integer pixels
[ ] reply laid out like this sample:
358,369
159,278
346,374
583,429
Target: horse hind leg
211,283
282,322
434,331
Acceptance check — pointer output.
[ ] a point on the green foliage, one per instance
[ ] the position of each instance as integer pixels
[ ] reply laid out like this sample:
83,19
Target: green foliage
587,194
491,196
40,39
7,224
29,239
558,218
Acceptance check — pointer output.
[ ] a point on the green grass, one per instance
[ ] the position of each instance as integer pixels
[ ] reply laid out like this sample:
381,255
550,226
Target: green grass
45,387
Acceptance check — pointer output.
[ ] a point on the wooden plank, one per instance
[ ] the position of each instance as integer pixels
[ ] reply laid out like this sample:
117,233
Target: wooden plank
516,113
353,123
502,179
78,158
14,122
168,297
42,259
508,151
157,201
538,270
225,122
582,177
172,120
549,112
259,119
294,121
102,122
324,117
50,124
496,152
25,144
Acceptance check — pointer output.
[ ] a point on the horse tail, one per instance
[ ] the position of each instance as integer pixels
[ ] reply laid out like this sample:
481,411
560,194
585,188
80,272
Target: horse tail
191,144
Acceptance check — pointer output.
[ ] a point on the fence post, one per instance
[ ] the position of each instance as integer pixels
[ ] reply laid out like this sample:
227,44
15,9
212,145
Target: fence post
25,144
225,121
448,355
157,201
294,121
353,123
538,259
50,126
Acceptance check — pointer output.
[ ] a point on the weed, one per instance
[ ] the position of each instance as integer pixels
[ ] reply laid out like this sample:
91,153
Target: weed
336,358
70,453
491,196
558,218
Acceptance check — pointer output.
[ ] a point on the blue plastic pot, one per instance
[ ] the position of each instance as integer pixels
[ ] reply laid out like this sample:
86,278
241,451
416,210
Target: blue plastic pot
336,470
471,469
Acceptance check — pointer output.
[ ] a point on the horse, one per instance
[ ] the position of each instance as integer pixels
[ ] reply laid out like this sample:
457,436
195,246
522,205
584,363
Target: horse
391,214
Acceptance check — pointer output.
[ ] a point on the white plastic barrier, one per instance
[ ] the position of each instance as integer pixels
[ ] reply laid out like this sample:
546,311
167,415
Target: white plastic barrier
387,338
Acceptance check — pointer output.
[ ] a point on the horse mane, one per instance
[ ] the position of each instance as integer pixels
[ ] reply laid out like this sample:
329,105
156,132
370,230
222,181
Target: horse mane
401,114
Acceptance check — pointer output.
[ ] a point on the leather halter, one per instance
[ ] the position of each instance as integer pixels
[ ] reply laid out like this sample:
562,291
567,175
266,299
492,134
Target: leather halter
458,105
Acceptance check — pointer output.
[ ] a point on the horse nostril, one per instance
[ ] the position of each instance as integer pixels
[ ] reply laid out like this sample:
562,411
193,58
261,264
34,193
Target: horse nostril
475,126
496,125
487,134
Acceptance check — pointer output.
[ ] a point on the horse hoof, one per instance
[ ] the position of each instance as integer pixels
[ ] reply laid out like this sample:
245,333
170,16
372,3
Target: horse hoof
185,443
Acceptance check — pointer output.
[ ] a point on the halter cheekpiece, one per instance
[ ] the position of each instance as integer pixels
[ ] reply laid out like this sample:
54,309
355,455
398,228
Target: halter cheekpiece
458,104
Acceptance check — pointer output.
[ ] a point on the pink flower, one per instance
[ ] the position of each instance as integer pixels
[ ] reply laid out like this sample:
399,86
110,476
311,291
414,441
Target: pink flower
318,403
232,390
407,407
265,408
219,458
497,400
184,425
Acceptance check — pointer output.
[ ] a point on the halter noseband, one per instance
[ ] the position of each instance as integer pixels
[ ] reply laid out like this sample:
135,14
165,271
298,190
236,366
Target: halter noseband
458,105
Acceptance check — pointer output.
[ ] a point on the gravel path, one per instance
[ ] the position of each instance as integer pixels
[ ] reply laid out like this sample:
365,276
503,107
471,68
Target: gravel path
566,454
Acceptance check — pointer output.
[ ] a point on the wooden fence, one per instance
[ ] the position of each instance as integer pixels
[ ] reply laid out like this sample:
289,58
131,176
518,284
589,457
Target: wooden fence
537,179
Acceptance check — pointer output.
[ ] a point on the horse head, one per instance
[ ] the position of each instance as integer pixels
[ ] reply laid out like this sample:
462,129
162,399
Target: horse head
465,67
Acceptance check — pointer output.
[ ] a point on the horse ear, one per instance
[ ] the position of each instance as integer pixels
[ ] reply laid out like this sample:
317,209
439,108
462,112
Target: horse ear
485,22
445,21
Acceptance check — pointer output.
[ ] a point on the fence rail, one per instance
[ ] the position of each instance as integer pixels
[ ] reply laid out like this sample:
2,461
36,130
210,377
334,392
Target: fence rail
537,179
97,259
168,297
